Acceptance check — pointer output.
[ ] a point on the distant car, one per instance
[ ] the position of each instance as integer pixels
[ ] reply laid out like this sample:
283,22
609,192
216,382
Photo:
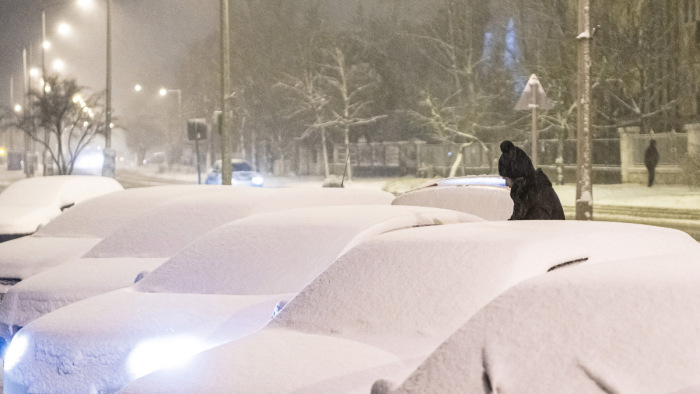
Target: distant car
226,284
29,203
386,304
243,174
155,158
625,327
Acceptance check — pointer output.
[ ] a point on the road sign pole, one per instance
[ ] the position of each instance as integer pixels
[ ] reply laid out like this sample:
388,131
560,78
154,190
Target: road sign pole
534,99
534,135
199,170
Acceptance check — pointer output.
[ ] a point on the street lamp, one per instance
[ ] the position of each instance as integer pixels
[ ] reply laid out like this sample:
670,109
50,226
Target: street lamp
164,92
64,29
58,65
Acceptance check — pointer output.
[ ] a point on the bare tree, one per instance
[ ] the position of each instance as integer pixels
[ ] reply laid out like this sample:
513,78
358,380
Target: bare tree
308,102
636,76
70,121
349,92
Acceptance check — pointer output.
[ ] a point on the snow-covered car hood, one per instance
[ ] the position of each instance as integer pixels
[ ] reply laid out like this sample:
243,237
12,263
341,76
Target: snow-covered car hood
23,257
98,355
24,219
67,283
626,327
260,364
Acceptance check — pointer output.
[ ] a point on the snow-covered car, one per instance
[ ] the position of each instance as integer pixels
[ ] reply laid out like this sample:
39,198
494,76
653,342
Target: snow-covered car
389,302
77,230
29,203
485,196
224,285
625,327
243,174
149,239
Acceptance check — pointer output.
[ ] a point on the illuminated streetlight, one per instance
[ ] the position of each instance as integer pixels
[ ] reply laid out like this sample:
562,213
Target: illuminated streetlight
163,91
59,65
46,45
18,108
85,4
64,29
138,87
34,72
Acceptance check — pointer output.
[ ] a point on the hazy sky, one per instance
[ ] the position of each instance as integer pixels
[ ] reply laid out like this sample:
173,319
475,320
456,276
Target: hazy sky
149,37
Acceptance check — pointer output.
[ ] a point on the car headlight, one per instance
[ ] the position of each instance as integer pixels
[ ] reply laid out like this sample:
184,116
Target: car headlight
17,348
158,353
257,180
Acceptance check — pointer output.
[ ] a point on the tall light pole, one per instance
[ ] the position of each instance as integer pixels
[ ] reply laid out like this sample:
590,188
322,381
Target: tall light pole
164,92
226,169
584,181
109,154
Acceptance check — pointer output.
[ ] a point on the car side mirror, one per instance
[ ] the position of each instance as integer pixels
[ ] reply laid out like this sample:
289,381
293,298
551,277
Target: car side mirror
141,275
66,206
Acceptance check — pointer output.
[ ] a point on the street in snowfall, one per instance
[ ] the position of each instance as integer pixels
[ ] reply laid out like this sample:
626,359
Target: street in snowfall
349,196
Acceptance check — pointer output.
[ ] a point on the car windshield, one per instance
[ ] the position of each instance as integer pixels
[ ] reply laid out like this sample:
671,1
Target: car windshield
241,166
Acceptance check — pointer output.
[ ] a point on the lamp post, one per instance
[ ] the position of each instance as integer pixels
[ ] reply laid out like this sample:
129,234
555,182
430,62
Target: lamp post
164,92
109,153
584,180
226,169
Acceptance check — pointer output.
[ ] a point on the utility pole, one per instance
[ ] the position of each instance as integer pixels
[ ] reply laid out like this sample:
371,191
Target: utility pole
109,163
224,129
584,184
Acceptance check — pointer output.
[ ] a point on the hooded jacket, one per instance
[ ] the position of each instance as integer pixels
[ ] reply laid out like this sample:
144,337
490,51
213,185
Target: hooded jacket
532,193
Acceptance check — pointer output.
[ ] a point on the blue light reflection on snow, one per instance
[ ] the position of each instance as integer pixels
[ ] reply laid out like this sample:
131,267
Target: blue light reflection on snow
476,181
15,351
158,353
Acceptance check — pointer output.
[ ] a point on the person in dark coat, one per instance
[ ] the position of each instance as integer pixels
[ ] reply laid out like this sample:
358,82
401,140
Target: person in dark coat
651,159
533,196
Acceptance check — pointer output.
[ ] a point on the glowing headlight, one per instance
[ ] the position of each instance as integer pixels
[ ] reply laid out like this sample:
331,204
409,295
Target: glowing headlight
15,351
257,180
158,353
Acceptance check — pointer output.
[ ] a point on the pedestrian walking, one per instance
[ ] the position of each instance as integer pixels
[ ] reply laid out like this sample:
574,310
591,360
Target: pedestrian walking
651,159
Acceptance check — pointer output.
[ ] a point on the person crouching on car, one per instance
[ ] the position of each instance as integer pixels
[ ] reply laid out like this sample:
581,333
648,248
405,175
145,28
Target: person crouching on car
533,196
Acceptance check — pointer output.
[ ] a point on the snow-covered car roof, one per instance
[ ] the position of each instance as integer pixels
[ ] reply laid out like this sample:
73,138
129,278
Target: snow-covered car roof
74,232
254,262
488,202
165,229
274,239
31,202
401,293
100,216
629,326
